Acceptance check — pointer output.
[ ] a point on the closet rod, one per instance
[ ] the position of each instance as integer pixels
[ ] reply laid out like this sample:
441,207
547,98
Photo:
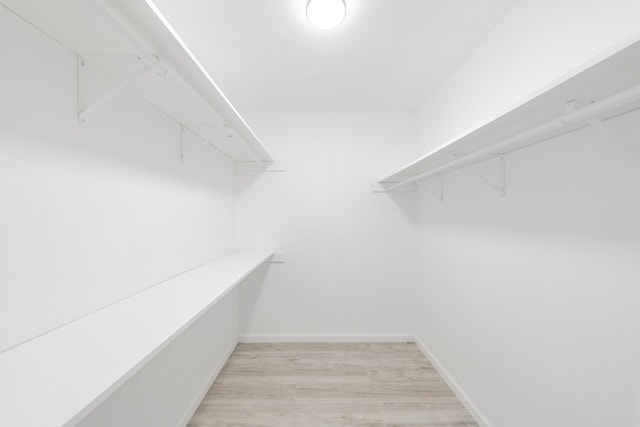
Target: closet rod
619,103
142,49
133,39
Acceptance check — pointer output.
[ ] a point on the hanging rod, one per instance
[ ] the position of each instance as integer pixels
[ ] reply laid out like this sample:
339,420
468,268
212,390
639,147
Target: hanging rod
619,103
145,52
141,49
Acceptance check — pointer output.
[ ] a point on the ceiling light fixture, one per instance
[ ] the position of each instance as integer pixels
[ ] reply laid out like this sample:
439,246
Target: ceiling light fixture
326,14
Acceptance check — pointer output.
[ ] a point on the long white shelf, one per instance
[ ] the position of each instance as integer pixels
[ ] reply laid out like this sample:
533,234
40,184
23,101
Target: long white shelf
59,377
599,91
132,43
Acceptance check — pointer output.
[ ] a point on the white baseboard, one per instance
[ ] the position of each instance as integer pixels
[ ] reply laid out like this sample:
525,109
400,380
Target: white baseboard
455,387
326,338
214,374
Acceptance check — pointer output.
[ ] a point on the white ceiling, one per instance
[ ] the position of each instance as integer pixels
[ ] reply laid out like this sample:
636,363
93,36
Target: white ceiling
387,55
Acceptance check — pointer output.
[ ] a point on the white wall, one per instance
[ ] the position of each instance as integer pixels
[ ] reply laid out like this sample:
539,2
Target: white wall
349,268
92,213
531,302
538,44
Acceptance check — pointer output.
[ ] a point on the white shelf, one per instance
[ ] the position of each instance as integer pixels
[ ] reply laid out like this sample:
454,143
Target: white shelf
117,37
610,86
59,377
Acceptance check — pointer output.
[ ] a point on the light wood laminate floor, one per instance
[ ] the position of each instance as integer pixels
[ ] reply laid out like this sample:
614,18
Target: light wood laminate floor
318,384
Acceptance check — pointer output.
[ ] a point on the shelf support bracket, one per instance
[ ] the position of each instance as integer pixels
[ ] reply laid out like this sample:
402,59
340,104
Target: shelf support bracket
439,193
252,166
278,258
189,127
84,110
500,183
383,187
183,149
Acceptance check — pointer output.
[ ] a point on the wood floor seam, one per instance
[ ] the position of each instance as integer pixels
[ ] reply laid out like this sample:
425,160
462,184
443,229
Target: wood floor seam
329,384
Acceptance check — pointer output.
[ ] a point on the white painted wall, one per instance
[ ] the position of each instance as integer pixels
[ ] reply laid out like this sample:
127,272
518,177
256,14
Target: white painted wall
530,303
92,213
349,265
538,43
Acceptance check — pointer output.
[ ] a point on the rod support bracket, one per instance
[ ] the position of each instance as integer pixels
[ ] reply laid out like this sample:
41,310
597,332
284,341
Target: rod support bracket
439,193
499,182
83,71
251,166
385,187
213,132
576,104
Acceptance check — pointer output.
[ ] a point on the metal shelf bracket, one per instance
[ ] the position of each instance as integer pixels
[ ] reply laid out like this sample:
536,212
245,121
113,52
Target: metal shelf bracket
386,187
278,258
439,193
498,183
204,142
222,131
82,76
275,166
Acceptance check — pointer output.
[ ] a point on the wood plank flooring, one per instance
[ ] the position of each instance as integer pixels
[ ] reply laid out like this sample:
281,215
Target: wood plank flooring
335,384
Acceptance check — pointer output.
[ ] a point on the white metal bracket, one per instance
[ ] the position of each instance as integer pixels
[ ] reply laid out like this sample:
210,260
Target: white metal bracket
499,183
275,166
384,187
278,258
218,129
439,192
82,71
576,104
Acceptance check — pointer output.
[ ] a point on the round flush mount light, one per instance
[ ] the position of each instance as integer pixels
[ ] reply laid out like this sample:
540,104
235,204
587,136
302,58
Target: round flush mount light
326,14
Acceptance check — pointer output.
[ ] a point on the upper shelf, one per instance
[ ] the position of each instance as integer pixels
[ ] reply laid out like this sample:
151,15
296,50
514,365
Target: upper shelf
107,32
59,377
597,92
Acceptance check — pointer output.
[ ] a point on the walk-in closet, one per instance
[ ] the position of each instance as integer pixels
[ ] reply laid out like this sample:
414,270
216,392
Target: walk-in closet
306,213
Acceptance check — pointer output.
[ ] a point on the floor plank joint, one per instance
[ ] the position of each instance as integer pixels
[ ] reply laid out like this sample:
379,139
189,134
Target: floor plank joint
329,384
